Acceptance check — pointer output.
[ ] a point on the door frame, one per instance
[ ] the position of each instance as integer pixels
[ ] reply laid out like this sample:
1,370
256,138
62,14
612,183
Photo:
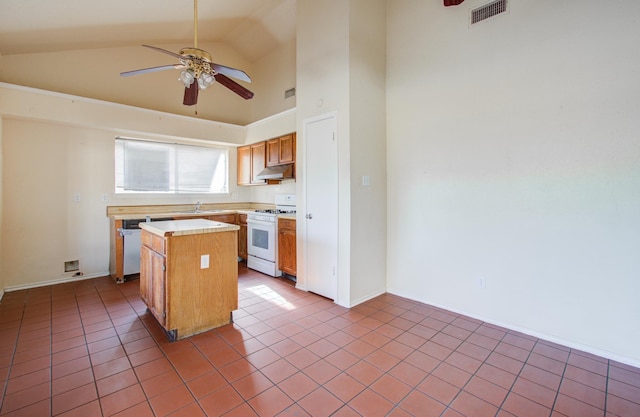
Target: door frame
302,228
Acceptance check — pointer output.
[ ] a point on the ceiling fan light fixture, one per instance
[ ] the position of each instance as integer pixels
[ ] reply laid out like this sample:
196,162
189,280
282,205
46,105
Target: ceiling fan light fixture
186,77
196,65
205,80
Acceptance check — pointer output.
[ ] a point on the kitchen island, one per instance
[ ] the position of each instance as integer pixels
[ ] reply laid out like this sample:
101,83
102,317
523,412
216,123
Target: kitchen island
189,274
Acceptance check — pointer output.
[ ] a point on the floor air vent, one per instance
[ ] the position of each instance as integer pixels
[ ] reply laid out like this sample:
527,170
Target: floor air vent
488,10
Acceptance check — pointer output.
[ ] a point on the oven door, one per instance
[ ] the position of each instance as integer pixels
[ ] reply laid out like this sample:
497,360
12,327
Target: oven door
261,239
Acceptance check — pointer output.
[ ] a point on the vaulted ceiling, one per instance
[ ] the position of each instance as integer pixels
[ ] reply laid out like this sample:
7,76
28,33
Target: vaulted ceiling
251,27
80,48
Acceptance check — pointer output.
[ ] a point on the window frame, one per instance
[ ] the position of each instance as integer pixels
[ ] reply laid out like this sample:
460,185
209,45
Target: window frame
173,149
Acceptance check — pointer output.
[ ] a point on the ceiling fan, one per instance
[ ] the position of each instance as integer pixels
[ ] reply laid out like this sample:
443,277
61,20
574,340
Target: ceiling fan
198,71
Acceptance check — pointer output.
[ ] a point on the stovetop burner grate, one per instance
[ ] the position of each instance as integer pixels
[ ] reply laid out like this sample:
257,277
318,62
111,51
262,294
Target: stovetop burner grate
275,211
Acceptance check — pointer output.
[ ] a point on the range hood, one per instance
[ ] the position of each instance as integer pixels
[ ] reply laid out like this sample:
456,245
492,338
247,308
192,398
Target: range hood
278,172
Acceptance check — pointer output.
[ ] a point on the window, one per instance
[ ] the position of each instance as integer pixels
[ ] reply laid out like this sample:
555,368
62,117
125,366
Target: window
156,167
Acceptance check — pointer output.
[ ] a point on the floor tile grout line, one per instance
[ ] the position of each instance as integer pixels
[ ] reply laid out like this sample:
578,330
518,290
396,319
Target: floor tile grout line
606,388
383,306
139,382
499,408
564,370
13,355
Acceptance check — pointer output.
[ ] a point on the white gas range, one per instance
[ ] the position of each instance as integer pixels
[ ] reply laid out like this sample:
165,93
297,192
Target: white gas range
262,242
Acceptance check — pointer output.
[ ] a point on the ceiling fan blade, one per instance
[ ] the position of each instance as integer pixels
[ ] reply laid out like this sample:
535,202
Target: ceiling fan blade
164,51
152,69
191,94
231,72
234,86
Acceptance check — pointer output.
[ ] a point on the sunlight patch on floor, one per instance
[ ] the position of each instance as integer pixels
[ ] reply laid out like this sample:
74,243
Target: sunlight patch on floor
268,294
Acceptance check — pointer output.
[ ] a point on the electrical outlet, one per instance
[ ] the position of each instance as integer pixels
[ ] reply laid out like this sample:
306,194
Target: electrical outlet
482,282
204,261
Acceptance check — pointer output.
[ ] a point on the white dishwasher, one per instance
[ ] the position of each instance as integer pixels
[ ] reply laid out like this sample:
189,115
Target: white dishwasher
131,233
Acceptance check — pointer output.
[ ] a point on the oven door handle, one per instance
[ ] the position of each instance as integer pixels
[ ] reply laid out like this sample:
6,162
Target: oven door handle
261,223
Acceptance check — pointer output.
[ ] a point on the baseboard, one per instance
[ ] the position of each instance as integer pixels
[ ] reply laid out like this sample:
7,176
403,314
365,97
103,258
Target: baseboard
558,340
366,298
54,282
1,294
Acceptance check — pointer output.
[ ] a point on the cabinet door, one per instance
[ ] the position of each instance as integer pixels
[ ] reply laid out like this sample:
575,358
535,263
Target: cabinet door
273,152
258,161
244,165
158,293
152,282
287,246
146,271
242,236
287,154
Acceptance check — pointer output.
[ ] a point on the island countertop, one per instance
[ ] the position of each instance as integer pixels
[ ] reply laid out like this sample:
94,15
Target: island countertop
187,227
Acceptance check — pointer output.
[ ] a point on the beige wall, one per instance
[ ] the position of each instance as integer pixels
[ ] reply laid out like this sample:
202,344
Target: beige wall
56,146
1,183
274,74
367,83
513,155
323,86
341,69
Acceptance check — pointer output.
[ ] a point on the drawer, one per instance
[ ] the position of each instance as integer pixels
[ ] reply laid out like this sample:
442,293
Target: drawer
154,242
224,218
287,224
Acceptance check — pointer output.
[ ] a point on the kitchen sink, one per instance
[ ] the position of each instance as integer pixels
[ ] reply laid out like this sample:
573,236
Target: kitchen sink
198,211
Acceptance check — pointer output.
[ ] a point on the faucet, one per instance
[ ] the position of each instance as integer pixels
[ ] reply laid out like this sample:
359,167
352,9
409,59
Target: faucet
198,207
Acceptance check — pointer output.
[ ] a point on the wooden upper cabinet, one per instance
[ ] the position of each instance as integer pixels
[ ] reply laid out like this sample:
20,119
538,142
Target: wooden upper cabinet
244,165
258,161
281,150
288,149
273,152
251,160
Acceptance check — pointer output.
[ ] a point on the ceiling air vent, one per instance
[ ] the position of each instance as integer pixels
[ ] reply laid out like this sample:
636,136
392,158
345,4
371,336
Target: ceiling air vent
290,92
488,10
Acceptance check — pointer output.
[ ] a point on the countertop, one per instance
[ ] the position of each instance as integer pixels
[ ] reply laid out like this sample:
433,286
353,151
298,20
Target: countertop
163,213
187,227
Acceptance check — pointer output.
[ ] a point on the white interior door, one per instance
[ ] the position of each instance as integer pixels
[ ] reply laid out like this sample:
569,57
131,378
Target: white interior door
321,217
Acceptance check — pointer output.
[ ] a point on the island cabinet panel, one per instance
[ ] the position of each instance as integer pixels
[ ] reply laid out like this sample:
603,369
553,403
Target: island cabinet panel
287,246
152,282
186,295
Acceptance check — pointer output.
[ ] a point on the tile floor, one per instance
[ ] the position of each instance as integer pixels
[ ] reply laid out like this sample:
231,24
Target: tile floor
90,349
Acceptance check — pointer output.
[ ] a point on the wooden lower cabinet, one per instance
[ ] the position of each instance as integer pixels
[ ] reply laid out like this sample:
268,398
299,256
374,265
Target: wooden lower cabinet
231,218
152,286
242,236
185,298
287,246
